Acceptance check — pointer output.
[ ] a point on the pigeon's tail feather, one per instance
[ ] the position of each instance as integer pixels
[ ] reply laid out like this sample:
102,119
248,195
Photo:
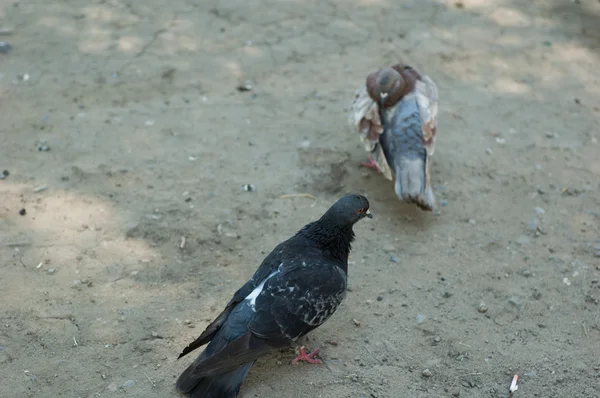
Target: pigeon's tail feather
412,182
221,360
225,385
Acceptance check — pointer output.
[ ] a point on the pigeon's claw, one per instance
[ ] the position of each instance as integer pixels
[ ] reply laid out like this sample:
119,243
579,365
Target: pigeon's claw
371,164
303,356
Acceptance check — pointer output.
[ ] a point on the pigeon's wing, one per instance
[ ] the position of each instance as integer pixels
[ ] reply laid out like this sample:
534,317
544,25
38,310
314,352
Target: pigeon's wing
364,118
298,299
268,266
427,97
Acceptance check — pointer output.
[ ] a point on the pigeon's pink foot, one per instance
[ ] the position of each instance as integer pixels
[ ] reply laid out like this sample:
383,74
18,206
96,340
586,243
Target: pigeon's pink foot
303,356
371,164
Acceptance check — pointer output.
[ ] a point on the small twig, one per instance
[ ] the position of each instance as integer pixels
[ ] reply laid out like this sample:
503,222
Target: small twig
585,330
149,379
469,374
298,195
182,244
466,345
373,355
16,244
75,344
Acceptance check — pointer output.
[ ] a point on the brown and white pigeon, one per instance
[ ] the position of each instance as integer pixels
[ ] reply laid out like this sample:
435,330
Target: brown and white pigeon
395,114
298,286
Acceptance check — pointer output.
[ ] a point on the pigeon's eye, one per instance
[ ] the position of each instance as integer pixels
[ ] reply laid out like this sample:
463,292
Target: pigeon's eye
361,210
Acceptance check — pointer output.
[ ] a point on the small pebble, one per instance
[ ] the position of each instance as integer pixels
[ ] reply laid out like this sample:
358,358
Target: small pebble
279,363
356,322
5,47
539,210
420,318
129,383
332,342
248,188
43,148
388,247
304,144
246,86
427,373
52,270
154,334
379,298
187,321
22,212
472,222
489,151
444,203
393,259
482,308
112,387
4,174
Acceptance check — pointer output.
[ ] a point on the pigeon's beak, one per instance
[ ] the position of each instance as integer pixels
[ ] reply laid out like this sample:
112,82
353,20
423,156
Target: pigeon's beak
382,97
368,213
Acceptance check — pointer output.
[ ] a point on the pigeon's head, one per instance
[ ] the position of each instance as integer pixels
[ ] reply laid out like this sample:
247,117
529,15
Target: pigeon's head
349,209
385,82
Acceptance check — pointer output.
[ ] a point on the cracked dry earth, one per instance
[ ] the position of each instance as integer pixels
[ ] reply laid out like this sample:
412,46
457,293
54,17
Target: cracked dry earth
150,140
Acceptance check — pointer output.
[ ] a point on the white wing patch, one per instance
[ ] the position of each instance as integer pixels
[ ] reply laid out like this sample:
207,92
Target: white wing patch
251,298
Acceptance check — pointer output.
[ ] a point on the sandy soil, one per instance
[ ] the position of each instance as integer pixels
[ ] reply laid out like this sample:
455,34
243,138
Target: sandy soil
150,141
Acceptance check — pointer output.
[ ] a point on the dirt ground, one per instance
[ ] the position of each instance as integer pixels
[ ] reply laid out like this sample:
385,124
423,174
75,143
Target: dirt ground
124,130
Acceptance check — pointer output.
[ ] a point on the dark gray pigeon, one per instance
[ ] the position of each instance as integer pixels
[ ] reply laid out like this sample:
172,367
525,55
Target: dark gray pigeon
395,113
298,286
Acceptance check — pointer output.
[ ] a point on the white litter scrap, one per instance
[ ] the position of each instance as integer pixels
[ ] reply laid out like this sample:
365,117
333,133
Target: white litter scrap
513,386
